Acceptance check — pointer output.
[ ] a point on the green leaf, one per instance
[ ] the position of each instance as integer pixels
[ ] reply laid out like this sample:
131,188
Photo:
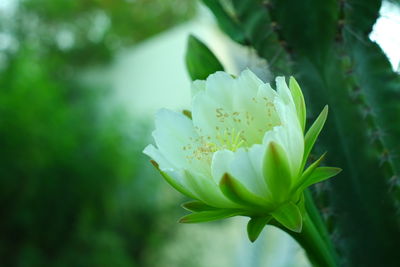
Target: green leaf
238,193
313,132
196,206
255,226
212,215
298,101
320,174
289,216
200,61
173,182
276,171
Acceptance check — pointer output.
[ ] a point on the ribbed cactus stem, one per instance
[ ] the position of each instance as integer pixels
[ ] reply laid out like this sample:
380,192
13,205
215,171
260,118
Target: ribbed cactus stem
325,45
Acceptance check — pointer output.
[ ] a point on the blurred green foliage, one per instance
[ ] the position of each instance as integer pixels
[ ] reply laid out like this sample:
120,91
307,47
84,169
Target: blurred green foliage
91,31
74,187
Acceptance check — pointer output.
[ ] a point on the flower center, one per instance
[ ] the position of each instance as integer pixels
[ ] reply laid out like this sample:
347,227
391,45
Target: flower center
229,139
233,129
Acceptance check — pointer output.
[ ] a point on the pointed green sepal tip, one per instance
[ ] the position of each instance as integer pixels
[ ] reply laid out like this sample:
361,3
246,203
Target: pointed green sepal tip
200,61
289,216
256,225
299,102
175,184
307,173
238,193
321,174
187,113
207,216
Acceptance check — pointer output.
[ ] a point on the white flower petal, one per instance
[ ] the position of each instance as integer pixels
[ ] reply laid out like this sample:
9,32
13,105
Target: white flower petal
289,136
283,90
178,176
219,85
220,164
243,106
265,90
207,190
248,81
175,138
156,155
247,168
198,86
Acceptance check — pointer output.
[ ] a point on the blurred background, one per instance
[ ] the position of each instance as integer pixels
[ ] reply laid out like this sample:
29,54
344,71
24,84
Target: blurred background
80,82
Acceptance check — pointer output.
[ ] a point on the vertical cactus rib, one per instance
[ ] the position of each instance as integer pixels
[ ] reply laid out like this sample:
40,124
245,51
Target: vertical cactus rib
226,22
251,21
381,92
261,31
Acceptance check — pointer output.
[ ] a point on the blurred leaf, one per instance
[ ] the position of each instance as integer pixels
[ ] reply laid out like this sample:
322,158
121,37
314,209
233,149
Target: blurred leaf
200,61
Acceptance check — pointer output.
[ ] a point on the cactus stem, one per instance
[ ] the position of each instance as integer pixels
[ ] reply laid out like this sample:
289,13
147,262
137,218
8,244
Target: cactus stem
356,35
385,156
275,57
394,183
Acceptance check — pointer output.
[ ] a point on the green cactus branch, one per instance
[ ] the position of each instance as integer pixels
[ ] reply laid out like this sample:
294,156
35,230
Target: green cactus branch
325,45
254,28
380,87
378,112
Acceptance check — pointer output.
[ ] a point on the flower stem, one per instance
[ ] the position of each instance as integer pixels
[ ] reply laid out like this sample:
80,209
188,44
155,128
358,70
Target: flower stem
315,217
314,245
314,237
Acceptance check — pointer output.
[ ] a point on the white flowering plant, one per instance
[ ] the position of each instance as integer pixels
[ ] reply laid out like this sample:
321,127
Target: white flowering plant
241,151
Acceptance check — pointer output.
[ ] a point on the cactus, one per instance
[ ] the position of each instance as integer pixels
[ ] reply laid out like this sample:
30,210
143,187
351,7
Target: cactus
325,46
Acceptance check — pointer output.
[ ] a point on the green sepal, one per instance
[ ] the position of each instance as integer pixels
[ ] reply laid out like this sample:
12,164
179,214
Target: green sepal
307,173
207,216
256,225
320,174
276,171
301,203
298,99
289,216
173,182
238,193
312,134
206,190
200,61
196,206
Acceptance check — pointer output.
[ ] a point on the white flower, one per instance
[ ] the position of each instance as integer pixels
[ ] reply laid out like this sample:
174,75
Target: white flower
242,152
